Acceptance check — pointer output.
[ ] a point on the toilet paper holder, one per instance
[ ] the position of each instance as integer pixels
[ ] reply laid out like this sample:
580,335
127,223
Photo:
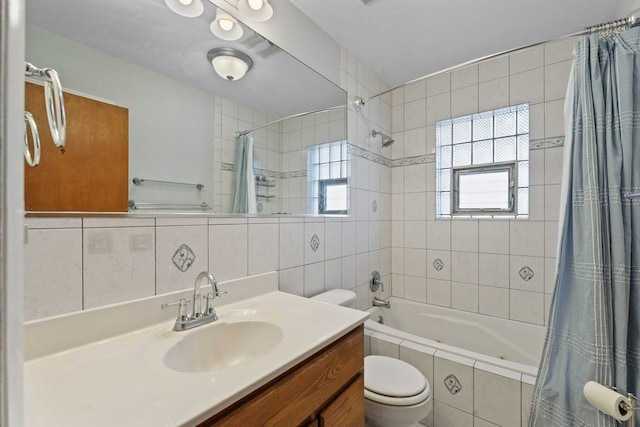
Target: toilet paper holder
624,405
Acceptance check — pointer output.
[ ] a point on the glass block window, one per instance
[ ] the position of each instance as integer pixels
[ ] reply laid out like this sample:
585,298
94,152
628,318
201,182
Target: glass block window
482,164
328,168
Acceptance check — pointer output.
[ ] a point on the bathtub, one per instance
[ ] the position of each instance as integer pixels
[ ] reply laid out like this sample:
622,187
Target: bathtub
480,367
501,342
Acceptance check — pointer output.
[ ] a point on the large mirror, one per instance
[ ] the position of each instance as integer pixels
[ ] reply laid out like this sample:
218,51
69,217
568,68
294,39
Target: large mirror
182,116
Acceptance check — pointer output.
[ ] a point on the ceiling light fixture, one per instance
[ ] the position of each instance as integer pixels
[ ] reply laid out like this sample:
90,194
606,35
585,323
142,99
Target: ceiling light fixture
226,27
257,10
230,64
188,8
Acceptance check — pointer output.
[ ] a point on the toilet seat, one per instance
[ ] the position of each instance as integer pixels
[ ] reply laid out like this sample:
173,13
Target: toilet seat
393,382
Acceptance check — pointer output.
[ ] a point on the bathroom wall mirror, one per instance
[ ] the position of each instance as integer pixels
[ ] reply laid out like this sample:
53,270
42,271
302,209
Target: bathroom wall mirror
182,116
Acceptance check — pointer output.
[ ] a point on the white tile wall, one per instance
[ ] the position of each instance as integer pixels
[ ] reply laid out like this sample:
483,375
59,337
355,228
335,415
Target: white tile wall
482,259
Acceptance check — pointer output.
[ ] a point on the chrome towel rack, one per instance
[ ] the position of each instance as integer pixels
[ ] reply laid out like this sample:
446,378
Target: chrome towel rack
140,181
133,205
54,104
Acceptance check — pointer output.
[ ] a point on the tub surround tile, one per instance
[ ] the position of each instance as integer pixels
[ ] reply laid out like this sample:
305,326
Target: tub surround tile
362,269
415,288
438,265
438,84
397,285
445,415
415,205
362,297
527,396
57,253
556,79
362,237
554,122
526,59
493,301
479,422
438,108
493,237
526,307
493,270
439,235
496,398
464,267
527,238
415,234
453,381
414,262
464,101
527,87
348,238
439,292
385,345
527,273
463,77
493,69
464,236
493,94
464,296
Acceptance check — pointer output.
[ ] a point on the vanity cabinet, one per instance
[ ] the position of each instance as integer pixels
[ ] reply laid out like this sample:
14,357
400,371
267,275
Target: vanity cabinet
325,390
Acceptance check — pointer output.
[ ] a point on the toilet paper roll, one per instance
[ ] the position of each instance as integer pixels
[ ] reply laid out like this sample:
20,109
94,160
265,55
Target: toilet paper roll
608,401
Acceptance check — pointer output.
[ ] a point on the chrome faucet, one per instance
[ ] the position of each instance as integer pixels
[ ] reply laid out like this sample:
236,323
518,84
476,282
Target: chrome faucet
198,316
377,302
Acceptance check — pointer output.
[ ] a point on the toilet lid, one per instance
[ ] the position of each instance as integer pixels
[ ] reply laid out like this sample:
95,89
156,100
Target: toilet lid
392,377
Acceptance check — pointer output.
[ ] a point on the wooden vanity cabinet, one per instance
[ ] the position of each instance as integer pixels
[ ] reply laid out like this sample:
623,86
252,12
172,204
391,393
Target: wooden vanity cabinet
325,390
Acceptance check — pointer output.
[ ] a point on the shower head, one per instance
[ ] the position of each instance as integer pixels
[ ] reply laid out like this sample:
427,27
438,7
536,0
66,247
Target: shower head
386,139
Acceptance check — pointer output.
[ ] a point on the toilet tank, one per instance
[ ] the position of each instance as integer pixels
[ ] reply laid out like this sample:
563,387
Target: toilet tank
341,297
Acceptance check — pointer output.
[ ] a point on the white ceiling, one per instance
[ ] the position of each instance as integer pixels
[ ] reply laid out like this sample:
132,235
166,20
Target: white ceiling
148,33
402,40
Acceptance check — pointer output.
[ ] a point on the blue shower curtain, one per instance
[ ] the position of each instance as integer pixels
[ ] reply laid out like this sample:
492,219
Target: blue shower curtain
244,190
594,325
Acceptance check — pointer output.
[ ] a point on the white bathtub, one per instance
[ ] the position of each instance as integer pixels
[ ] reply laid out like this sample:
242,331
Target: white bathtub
512,345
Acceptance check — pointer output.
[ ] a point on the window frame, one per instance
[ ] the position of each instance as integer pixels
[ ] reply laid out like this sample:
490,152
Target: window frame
322,195
511,167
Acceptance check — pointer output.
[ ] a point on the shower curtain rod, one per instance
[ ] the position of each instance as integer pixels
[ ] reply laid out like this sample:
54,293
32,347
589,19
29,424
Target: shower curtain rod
631,20
244,132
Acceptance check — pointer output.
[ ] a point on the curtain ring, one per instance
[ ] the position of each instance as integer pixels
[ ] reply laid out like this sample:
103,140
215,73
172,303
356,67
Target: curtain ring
54,102
28,121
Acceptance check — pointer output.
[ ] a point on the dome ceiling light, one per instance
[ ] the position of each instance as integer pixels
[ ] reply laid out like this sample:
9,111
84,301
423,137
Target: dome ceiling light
257,10
187,8
230,64
225,27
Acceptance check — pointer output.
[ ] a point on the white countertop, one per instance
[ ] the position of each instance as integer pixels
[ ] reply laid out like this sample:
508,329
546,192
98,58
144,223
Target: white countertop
122,380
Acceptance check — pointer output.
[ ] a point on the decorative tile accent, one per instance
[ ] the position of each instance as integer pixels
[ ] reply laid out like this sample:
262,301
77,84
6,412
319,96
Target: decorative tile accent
294,174
315,242
183,258
526,273
541,144
452,384
226,166
438,264
418,160
368,155
260,207
374,206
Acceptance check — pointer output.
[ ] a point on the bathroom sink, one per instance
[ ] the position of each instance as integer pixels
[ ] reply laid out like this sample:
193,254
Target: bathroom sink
223,345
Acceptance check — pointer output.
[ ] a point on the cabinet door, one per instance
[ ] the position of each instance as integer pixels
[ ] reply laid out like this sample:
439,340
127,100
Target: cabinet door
347,410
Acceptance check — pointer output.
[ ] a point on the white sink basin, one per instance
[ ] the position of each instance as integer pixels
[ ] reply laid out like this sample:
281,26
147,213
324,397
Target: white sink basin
223,345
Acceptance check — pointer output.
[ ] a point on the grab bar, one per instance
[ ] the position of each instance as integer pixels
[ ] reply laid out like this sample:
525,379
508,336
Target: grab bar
54,102
139,181
29,122
166,206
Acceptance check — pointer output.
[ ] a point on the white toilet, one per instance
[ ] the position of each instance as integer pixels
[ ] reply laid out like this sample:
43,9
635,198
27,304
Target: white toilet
396,394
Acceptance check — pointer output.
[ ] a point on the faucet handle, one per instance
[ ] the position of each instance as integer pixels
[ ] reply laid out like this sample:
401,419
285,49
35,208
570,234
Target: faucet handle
209,310
182,310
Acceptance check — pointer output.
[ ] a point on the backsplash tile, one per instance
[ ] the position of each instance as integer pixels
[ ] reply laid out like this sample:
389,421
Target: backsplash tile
169,242
118,264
